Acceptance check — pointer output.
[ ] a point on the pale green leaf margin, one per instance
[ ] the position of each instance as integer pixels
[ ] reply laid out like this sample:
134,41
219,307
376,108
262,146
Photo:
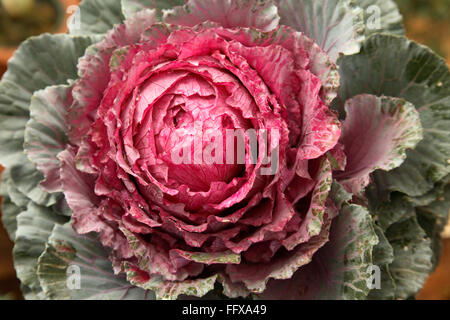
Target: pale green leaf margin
336,26
29,213
131,7
77,267
96,17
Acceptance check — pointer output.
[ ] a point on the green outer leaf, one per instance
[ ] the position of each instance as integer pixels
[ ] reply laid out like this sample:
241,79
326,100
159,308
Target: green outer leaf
431,196
411,247
38,63
383,256
388,213
394,66
433,218
12,124
412,252
34,227
349,253
27,180
339,195
45,134
336,26
97,280
9,213
339,270
391,20
96,17
9,210
20,184
130,7
439,208
11,191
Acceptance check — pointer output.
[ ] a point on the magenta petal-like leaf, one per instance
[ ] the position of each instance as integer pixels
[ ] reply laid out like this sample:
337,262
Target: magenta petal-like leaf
376,134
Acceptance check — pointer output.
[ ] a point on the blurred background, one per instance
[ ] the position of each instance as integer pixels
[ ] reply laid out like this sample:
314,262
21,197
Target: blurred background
426,21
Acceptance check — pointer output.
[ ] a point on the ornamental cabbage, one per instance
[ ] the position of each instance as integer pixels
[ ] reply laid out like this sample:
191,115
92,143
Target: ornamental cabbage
203,148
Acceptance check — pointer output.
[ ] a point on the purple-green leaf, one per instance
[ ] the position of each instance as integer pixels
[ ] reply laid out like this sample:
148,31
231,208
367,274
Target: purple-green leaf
376,134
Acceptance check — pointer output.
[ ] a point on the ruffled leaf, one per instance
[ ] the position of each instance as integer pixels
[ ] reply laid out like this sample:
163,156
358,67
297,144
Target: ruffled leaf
20,184
9,210
376,134
340,270
258,14
383,255
412,252
34,228
433,217
431,196
394,66
38,63
336,26
411,248
10,191
439,208
96,17
27,180
12,124
131,7
45,135
86,258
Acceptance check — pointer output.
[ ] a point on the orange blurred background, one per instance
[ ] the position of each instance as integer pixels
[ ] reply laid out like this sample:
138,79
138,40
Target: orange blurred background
426,21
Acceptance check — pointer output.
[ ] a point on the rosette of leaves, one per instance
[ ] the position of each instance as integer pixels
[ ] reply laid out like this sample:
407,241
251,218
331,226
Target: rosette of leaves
380,191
